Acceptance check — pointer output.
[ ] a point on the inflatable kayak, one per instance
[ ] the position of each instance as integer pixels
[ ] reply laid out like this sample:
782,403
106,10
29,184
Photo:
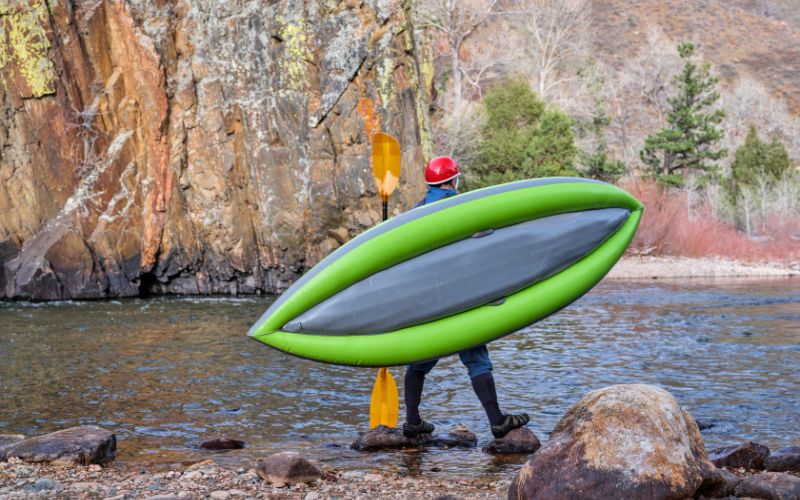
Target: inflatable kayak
454,274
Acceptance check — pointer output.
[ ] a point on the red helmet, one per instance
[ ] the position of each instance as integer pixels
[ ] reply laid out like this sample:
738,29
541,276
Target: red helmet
440,170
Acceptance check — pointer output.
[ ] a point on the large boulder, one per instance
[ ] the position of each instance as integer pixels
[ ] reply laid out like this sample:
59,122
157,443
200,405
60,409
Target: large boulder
749,455
623,441
82,445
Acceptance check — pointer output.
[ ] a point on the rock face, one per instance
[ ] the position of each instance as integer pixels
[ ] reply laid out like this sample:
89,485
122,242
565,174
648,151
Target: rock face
749,455
521,440
784,460
196,147
83,445
287,468
624,441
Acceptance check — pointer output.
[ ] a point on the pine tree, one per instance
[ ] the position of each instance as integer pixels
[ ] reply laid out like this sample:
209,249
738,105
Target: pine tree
687,145
597,164
521,138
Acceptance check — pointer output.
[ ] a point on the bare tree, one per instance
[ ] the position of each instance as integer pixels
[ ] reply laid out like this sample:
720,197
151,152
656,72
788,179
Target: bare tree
484,60
749,102
558,35
456,21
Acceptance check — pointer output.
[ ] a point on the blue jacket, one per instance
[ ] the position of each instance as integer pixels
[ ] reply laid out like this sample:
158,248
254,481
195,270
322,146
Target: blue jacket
435,194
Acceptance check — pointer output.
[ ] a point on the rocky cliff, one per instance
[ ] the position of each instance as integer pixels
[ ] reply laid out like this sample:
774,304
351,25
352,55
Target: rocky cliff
176,146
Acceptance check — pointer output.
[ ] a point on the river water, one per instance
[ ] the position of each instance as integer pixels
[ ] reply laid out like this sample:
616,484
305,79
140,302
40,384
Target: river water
166,373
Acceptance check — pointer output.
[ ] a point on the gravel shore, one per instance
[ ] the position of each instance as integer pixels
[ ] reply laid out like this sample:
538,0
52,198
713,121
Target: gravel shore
633,267
209,480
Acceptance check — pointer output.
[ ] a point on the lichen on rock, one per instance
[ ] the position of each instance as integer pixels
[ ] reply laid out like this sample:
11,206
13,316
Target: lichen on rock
24,47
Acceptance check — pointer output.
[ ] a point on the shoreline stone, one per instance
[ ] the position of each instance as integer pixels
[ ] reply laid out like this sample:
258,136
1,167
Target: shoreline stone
82,445
748,455
287,468
624,441
770,486
784,460
521,440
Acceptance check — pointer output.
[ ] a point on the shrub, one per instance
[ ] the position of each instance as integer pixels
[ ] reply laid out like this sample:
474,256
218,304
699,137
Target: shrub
521,138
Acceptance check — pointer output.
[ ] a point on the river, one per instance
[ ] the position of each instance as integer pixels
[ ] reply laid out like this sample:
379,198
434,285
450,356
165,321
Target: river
165,373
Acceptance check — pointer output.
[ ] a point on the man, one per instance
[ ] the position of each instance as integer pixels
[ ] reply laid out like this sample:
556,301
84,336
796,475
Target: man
441,175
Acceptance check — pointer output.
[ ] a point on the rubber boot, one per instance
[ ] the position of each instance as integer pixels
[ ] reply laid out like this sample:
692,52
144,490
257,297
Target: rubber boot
483,385
414,425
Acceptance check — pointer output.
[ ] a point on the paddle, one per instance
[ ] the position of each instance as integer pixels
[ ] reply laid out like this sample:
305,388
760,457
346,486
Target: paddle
386,169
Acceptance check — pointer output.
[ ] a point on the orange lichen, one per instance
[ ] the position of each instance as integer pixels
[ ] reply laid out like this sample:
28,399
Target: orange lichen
372,121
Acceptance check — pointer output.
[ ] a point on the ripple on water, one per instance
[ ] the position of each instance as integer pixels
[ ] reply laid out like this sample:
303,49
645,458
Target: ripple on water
167,372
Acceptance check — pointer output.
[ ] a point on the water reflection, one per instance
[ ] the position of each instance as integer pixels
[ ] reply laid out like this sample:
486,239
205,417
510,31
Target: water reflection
166,373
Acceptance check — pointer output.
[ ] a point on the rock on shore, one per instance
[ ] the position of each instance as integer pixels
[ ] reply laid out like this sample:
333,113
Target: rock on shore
623,441
78,445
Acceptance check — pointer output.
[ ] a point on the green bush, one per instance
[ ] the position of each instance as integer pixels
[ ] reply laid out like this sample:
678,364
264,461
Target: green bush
521,138
757,161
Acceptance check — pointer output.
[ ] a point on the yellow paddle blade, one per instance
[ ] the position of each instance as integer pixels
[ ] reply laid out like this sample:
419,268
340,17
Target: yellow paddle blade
383,405
385,163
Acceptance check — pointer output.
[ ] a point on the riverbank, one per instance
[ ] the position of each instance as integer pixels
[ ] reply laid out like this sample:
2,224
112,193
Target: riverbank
209,480
635,267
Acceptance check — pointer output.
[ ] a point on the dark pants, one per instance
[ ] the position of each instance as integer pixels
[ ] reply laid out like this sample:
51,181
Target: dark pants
476,360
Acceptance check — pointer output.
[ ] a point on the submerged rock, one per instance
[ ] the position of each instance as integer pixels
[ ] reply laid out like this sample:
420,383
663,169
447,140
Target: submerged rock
383,438
623,441
521,440
82,445
770,486
749,455
784,460
388,438
219,444
460,437
287,468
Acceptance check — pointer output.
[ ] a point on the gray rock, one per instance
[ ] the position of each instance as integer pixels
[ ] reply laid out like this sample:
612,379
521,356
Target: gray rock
521,440
83,445
770,486
218,444
287,468
784,460
384,438
749,455
624,441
